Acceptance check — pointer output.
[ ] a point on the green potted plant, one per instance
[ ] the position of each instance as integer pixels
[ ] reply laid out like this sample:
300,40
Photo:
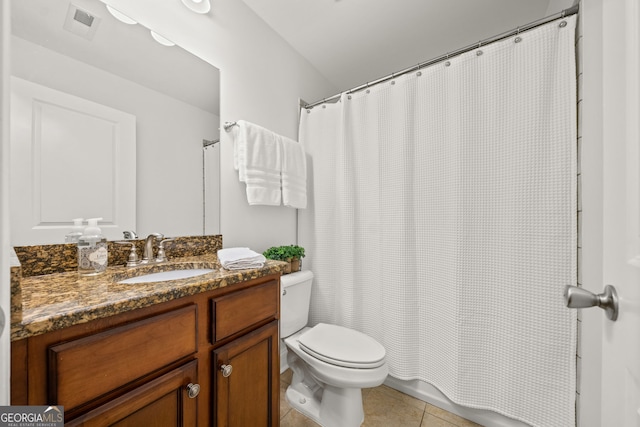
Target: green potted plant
291,254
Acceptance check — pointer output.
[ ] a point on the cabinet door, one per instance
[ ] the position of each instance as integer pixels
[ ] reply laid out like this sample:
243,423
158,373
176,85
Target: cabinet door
163,402
249,394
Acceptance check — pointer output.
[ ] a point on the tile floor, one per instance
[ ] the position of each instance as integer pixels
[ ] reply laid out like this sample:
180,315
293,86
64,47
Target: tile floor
383,407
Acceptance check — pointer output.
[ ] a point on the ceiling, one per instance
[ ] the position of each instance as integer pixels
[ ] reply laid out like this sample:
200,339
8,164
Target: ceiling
352,42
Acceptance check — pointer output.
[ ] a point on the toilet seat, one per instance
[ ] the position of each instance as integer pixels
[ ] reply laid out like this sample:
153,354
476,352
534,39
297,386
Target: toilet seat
342,346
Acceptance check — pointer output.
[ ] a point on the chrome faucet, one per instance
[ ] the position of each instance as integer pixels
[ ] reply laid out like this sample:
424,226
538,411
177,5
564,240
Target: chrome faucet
147,255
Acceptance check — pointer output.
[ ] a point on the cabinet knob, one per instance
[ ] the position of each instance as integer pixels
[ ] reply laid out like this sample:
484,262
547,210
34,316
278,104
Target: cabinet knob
193,390
226,370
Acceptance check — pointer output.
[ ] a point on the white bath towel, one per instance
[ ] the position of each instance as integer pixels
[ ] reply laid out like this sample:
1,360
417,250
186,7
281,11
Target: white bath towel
294,174
240,258
257,155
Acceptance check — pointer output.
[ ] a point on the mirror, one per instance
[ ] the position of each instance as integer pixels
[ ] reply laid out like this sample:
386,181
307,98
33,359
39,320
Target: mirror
77,51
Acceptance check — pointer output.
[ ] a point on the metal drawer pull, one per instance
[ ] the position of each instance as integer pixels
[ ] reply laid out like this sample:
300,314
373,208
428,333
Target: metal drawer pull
576,297
226,370
193,390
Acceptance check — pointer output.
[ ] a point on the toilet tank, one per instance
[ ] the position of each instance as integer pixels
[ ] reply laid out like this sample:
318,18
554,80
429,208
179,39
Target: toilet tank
295,294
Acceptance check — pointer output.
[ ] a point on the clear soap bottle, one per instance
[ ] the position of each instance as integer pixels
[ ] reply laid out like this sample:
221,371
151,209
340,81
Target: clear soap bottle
92,250
76,231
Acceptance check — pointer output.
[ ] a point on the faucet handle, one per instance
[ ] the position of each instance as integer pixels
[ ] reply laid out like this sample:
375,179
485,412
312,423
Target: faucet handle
129,235
133,255
162,256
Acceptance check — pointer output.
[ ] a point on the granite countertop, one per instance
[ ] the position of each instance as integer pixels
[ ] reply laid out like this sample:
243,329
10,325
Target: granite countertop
56,301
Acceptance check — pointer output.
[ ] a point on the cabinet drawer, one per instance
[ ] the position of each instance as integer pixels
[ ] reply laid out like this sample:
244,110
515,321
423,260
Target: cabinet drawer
84,369
239,310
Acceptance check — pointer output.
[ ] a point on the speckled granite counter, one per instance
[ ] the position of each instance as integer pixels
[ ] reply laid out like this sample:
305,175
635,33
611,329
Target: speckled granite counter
56,301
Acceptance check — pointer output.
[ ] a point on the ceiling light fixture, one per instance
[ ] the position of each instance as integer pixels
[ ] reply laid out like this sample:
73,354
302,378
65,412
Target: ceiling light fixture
120,16
198,6
163,41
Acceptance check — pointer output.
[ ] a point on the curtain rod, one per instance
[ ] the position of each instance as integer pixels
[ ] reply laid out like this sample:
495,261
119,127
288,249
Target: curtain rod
566,12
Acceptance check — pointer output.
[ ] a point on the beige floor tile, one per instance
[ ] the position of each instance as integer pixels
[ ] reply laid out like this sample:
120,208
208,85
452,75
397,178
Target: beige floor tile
448,416
420,404
285,408
296,419
382,409
432,421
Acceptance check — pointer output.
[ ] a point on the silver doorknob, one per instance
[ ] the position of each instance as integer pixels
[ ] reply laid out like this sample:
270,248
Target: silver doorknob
226,370
576,297
193,390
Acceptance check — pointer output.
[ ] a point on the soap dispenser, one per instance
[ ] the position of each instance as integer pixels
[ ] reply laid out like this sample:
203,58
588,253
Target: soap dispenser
76,231
92,250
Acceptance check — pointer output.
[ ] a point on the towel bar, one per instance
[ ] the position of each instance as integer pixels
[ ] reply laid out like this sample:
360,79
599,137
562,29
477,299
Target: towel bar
228,125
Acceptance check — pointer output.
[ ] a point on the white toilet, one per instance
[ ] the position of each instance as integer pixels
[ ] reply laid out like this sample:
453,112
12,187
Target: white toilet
330,363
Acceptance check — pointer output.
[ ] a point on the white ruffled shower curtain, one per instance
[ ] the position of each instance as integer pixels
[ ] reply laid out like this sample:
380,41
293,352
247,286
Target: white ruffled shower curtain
442,222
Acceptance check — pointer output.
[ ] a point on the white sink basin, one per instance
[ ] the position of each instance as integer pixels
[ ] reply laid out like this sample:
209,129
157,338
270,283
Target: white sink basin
166,275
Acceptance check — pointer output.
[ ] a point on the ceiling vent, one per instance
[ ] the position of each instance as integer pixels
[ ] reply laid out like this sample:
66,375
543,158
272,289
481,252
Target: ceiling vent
80,22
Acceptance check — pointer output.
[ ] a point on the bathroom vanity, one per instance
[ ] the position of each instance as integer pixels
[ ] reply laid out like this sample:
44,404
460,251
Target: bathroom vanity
195,351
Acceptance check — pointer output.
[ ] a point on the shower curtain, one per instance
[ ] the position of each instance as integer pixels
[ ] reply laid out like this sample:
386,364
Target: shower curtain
442,222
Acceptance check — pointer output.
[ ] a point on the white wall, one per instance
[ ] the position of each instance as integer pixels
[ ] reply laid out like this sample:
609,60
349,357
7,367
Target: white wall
261,77
556,6
169,136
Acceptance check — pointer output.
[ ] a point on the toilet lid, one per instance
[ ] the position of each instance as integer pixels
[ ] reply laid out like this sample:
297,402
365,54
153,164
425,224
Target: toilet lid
342,346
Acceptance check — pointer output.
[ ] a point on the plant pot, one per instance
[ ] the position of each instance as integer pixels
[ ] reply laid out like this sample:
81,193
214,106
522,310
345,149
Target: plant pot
295,264
287,268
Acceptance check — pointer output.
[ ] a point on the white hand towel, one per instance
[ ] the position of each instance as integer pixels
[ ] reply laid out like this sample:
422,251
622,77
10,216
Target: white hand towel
294,174
258,157
240,258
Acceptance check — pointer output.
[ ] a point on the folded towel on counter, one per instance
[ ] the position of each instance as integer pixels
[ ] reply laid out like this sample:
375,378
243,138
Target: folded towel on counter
294,174
240,258
257,156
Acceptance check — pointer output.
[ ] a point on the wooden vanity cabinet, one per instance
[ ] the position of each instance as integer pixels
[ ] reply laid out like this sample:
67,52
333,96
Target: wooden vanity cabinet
162,365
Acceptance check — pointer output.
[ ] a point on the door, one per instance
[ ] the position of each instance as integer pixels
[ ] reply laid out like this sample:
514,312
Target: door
621,211
5,288
70,158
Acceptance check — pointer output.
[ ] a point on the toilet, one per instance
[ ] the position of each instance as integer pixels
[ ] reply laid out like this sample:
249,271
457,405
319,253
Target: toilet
331,364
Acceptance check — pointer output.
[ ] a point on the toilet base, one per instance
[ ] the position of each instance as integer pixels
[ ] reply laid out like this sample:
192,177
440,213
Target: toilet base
328,406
